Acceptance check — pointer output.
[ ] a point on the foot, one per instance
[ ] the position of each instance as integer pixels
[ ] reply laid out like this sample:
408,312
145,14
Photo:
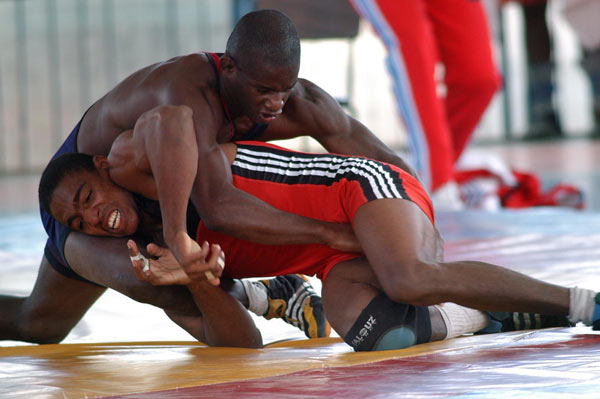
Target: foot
447,197
293,299
515,321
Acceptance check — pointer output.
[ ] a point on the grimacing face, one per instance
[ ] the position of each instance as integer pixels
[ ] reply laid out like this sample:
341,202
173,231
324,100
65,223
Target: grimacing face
263,92
91,203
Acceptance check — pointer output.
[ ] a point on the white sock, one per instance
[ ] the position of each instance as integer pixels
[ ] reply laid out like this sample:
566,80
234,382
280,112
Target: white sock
581,305
258,301
460,320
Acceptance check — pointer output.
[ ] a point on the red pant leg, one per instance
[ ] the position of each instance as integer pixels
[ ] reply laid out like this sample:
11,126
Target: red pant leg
462,33
411,30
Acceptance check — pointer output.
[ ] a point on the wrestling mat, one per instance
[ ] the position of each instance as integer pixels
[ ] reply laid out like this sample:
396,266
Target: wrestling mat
557,245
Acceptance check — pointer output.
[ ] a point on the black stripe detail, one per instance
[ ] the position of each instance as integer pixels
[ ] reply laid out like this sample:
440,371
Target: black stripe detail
305,169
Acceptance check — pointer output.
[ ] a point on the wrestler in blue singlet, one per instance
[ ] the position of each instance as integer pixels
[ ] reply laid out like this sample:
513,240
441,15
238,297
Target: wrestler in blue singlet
58,233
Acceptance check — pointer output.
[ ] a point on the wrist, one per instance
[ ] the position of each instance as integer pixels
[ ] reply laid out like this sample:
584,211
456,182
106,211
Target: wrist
324,233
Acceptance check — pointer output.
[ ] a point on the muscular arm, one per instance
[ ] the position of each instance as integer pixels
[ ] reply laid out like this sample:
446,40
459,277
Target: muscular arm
224,208
158,160
163,145
221,206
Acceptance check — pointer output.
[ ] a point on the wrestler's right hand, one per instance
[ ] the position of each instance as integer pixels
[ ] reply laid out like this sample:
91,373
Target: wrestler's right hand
165,269
199,262
342,238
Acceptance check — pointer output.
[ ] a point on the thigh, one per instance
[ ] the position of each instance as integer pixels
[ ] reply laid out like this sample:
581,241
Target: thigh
398,238
462,34
105,261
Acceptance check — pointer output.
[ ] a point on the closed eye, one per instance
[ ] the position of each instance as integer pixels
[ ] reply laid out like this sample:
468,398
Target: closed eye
263,90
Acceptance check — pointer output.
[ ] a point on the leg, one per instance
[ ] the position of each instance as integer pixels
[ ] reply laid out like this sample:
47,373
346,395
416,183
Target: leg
106,262
407,33
401,244
47,315
355,304
462,35
543,120
591,65
351,288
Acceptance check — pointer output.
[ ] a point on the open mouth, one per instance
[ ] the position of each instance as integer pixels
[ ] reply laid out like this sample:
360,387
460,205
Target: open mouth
268,117
114,220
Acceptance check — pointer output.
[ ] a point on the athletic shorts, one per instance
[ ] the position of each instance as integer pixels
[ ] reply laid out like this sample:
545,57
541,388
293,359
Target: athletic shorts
321,186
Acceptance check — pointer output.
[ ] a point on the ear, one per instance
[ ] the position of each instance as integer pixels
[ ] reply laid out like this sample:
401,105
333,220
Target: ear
101,163
228,64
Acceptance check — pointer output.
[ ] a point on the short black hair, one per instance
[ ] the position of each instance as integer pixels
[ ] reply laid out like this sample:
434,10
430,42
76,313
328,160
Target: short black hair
57,170
266,36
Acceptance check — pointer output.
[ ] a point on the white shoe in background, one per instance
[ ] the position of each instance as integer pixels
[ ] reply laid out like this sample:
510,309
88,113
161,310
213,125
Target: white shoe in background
447,198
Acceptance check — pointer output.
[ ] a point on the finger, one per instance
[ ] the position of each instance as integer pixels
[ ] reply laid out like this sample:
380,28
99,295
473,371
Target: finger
138,268
133,248
156,251
136,257
151,278
221,260
197,260
216,260
204,249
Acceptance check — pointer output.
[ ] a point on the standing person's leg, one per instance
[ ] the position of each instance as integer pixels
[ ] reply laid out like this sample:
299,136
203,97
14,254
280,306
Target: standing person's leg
543,119
471,77
591,64
407,33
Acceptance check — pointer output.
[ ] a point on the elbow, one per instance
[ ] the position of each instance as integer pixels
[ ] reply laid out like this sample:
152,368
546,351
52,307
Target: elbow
215,219
251,339
165,118
165,113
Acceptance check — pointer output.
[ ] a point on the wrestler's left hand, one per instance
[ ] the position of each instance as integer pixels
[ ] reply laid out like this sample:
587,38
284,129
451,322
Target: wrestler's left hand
164,270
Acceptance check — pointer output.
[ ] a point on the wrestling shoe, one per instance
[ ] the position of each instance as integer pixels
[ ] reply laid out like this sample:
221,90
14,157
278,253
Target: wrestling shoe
516,321
293,299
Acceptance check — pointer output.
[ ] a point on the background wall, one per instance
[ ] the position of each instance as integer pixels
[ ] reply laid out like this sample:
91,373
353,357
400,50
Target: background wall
58,56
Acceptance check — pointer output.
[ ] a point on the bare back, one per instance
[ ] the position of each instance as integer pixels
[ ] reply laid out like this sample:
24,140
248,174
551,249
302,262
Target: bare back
188,80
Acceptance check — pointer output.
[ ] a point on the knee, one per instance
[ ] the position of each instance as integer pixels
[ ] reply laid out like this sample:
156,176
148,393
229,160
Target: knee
480,83
169,298
413,284
42,331
385,325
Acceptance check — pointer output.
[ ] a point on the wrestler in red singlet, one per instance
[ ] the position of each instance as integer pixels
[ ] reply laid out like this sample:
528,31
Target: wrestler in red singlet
325,186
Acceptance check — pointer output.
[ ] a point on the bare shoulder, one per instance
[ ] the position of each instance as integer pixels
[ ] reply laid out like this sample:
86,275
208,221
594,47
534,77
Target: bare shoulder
186,80
314,108
306,90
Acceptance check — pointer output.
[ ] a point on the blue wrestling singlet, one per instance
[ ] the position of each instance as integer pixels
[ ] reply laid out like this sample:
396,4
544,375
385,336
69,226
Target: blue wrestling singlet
57,232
